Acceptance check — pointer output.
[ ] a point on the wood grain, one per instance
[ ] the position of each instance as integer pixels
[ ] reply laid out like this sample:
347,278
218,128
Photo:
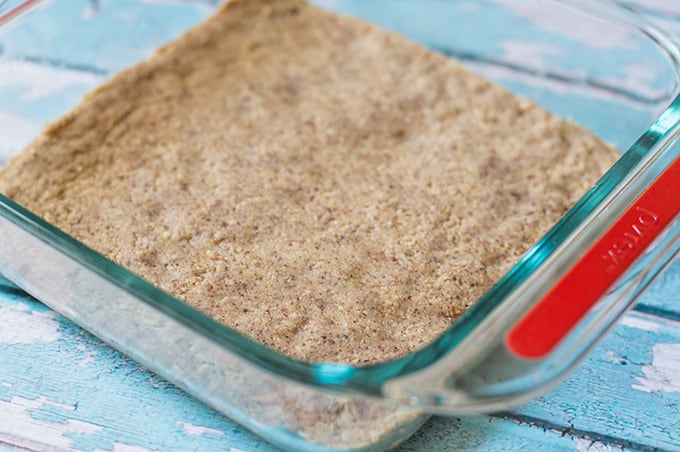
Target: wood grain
60,386
63,389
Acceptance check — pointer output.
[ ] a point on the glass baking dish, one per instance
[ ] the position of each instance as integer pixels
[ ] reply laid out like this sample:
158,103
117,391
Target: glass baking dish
579,59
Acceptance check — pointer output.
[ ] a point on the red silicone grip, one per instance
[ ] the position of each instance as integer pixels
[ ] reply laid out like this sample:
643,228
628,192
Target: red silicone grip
561,307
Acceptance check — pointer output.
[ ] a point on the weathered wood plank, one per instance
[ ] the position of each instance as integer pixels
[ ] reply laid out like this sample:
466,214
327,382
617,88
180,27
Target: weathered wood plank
628,388
497,434
62,387
662,298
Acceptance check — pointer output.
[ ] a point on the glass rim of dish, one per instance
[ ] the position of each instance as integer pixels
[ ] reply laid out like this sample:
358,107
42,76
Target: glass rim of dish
368,379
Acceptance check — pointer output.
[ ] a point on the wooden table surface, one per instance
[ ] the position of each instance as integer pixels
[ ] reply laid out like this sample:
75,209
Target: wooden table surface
63,389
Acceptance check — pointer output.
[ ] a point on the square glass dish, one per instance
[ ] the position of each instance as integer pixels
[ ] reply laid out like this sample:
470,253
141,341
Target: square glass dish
577,58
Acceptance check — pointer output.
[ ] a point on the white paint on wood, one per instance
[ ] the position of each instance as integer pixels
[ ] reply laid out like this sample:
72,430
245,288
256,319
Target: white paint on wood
87,360
89,354
588,445
635,321
34,81
538,54
16,133
663,373
615,357
608,35
20,325
13,444
121,447
192,429
16,420
39,402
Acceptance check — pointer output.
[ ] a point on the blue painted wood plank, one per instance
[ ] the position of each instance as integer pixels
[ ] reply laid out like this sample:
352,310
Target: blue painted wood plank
493,434
483,433
629,387
66,389
101,36
663,296
62,387
73,391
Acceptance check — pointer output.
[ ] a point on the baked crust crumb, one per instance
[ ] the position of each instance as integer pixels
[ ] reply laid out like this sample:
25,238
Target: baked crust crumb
328,188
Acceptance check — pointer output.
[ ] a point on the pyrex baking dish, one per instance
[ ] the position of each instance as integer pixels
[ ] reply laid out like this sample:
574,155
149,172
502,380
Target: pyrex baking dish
519,338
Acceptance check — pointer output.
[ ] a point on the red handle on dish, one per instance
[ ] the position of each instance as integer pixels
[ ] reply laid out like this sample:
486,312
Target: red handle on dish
561,307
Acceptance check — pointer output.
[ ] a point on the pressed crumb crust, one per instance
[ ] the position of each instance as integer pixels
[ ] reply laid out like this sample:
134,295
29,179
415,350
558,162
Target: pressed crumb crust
328,188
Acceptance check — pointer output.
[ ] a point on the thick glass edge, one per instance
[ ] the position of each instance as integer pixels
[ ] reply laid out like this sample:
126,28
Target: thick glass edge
272,406
465,381
369,379
150,294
